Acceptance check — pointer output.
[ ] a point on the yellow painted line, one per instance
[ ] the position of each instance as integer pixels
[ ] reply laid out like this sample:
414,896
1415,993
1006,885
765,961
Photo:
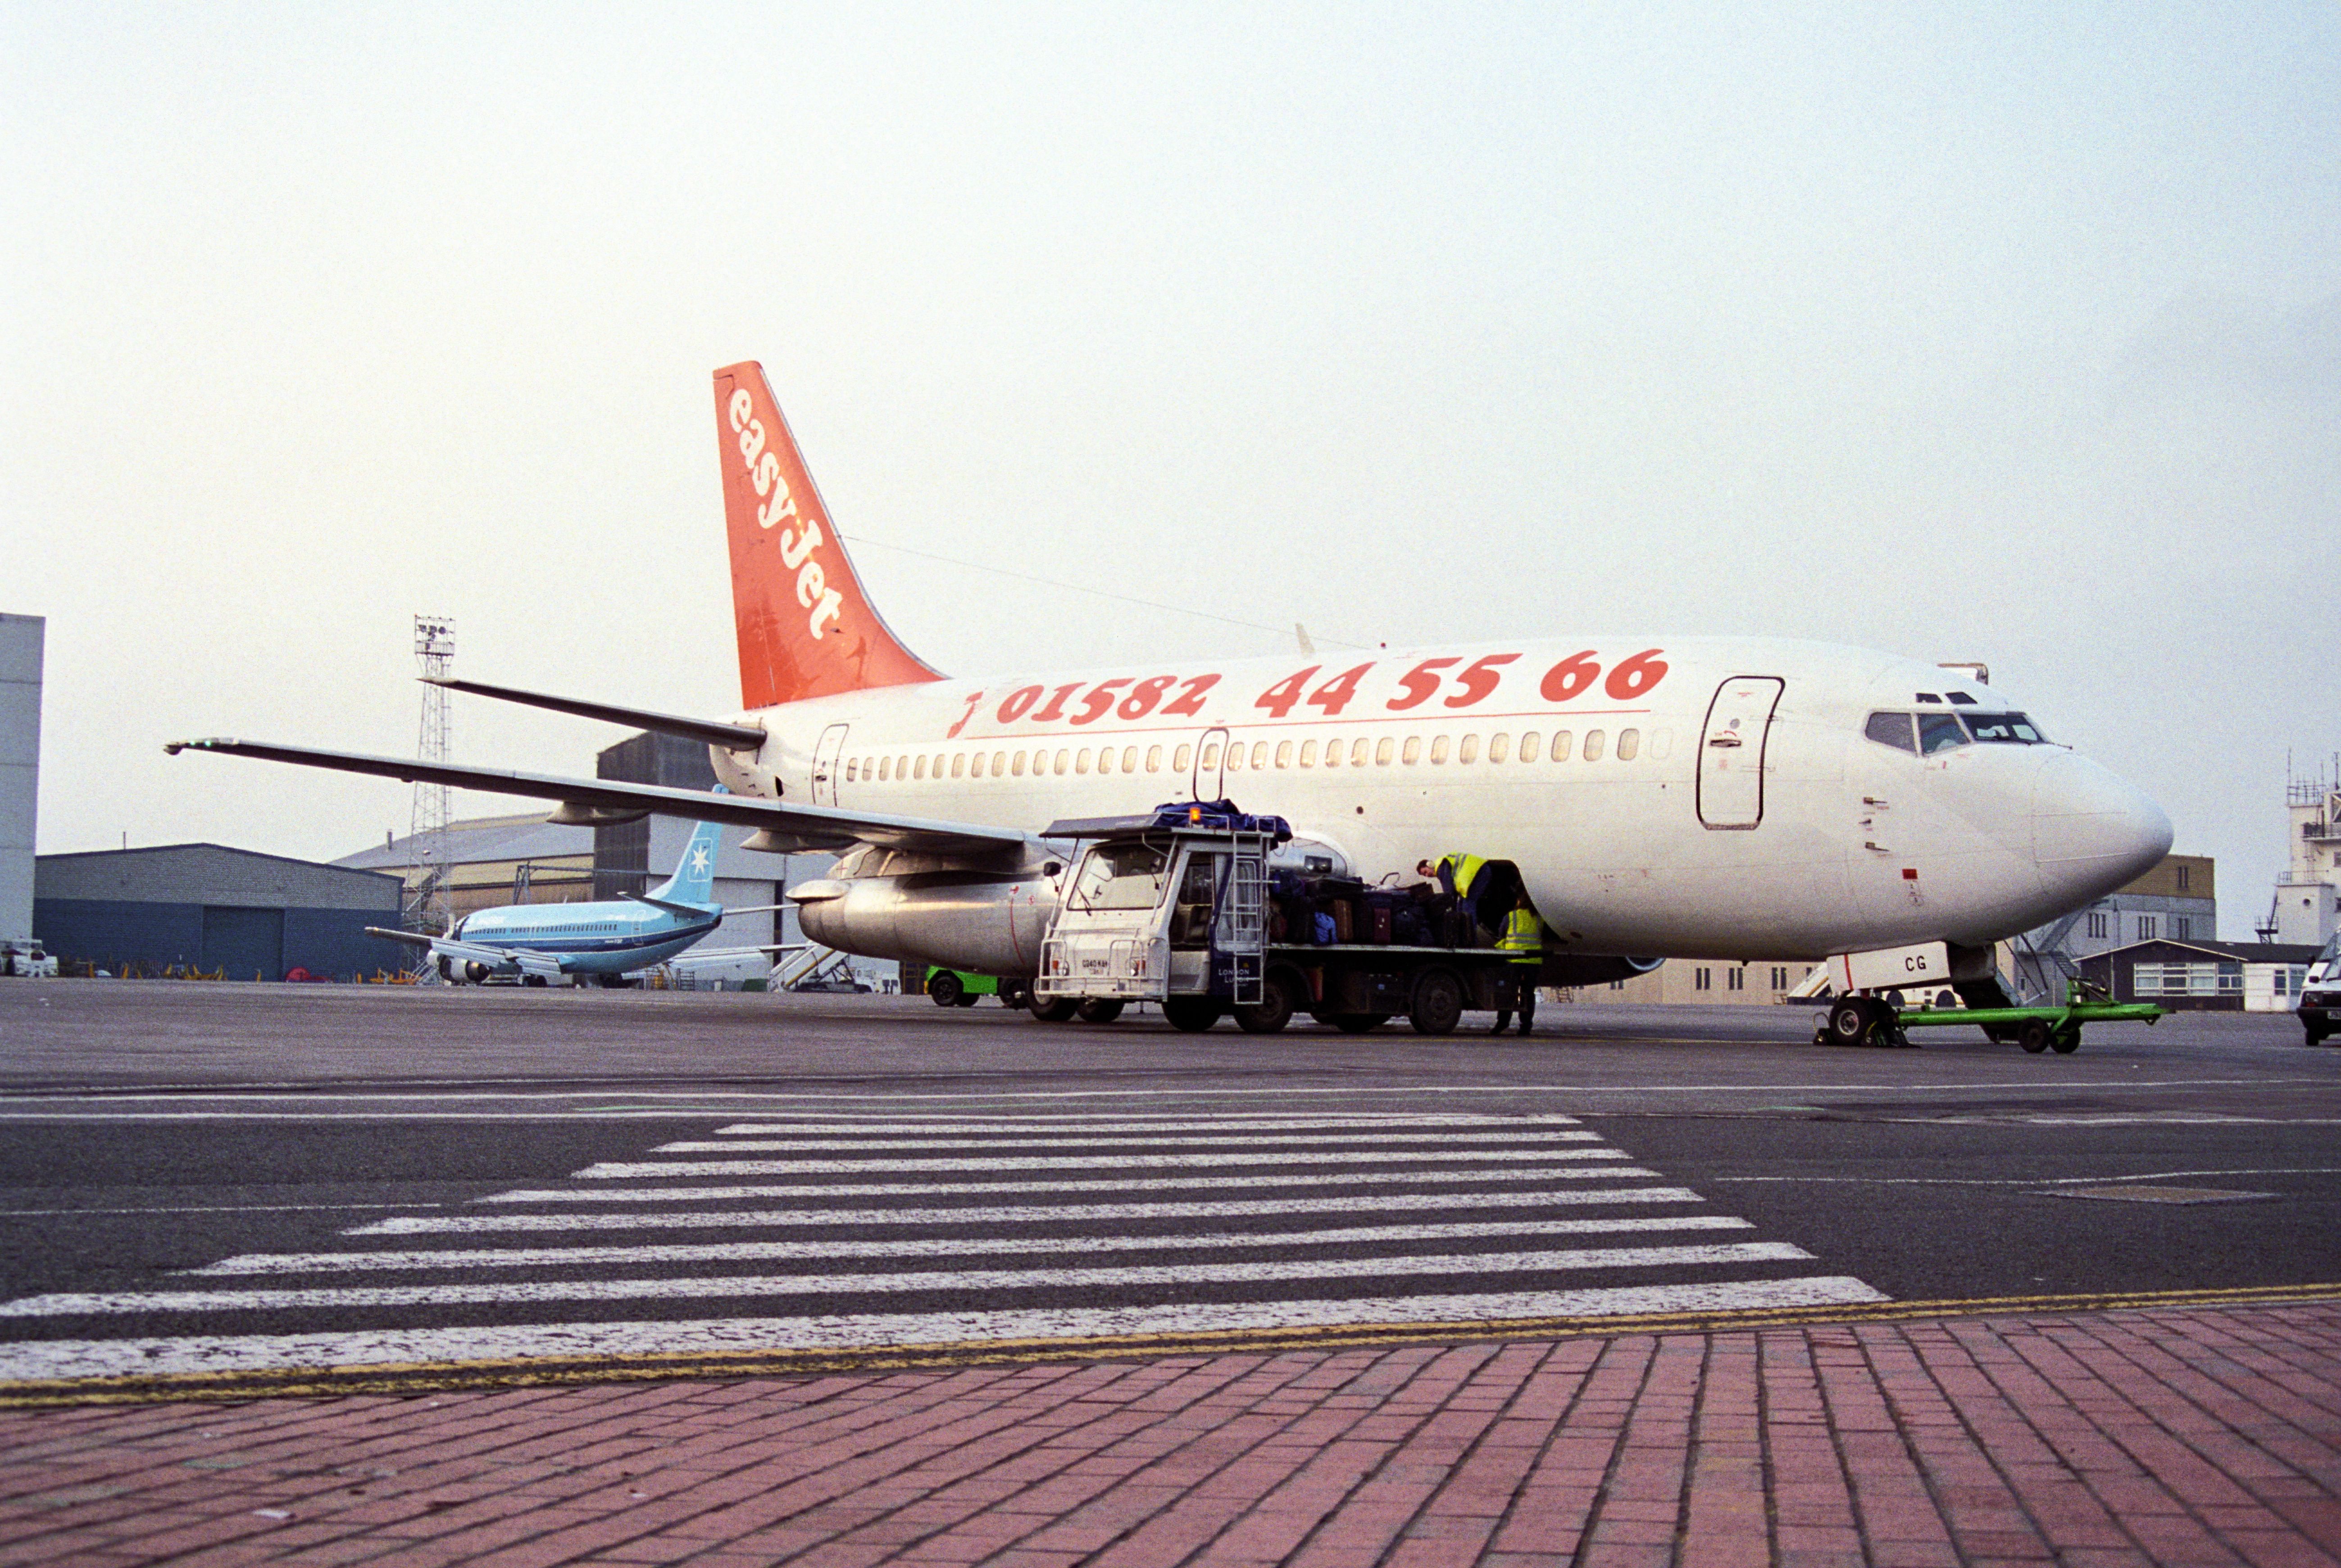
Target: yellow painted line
541,1371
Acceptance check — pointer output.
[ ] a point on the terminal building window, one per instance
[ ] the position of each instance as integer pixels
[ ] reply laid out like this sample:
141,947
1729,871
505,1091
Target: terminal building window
2145,928
1734,980
1702,980
2097,925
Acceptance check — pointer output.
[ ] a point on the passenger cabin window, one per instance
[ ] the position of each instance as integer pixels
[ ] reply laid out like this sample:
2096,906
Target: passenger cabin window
1383,749
1154,759
1592,752
1260,753
1284,753
1499,748
1211,756
1121,876
1308,753
1630,744
1467,749
1561,741
1358,753
1412,751
1437,749
1179,757
1891,730
1532,746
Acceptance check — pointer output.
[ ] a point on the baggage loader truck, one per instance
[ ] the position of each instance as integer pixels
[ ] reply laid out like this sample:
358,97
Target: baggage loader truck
1186,908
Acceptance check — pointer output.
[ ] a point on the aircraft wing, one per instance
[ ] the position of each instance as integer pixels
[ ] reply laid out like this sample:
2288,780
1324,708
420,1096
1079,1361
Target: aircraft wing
688,910
814,828
527,959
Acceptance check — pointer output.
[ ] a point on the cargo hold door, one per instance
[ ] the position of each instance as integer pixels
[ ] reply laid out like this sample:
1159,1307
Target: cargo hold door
1731,751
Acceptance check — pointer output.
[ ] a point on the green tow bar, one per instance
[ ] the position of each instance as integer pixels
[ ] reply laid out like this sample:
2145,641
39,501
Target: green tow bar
2039,1029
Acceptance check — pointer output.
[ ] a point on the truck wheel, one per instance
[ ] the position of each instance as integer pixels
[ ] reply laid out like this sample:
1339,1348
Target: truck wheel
1190,1015
2034,1037
1438,1002
1274,1010
1053,1011
1849,1023
1099,1010
1014,992
2067,1042
967,999
946,988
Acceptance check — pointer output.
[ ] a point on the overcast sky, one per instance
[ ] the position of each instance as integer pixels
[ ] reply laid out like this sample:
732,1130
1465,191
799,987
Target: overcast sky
1966,333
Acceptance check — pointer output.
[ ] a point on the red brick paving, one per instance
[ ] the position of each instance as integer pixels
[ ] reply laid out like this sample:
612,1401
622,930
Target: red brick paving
2205,1436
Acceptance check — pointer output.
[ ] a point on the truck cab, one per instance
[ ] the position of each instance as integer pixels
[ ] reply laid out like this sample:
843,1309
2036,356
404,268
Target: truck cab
1169,907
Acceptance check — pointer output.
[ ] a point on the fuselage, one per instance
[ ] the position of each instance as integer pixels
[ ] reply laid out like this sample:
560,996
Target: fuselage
614,937
1723,797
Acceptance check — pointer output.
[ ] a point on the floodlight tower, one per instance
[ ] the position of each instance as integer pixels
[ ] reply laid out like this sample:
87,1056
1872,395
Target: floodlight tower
427,909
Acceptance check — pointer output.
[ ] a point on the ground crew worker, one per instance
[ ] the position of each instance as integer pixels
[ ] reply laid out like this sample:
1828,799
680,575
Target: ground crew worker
1523,938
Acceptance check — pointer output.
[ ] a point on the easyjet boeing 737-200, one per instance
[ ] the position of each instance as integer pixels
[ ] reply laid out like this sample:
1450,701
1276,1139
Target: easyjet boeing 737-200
1753,798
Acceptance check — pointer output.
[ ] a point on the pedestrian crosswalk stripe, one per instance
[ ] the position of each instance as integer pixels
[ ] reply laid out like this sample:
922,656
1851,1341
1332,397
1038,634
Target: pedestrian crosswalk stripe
833,1125
630,1170
944,1246
98,1303
1102,1185
1383,1138
1012,1214
1064,1329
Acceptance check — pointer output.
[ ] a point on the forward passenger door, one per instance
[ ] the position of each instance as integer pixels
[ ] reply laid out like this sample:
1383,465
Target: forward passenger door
1731,751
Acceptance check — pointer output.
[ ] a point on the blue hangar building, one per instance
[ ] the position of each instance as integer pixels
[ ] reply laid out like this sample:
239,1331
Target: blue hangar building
219,909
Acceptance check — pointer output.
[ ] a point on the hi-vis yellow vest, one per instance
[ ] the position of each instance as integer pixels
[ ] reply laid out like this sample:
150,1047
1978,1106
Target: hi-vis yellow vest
1464,869
1521,937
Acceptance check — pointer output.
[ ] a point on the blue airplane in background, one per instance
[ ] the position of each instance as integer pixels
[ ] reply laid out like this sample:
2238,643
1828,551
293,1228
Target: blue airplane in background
541,942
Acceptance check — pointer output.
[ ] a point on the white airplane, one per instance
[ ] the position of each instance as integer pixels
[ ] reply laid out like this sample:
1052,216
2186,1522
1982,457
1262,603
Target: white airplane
608,939
1754,798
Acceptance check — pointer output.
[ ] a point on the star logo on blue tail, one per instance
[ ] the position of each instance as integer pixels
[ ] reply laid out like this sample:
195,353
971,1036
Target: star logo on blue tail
698,859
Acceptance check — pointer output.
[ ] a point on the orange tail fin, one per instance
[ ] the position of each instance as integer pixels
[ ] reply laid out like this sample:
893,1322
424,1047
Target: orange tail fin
806,628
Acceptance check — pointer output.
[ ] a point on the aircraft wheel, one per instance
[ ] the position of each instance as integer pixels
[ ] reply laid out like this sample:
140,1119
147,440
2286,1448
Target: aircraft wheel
1274,1010
1190,1015
1014,992
1438,1002
1099,1010
2034,1037
2067,1042
531,979
946,988
1850,1021
1055,1010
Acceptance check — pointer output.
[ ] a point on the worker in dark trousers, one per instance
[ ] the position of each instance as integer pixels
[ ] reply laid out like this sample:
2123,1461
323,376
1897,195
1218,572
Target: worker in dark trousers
1523,938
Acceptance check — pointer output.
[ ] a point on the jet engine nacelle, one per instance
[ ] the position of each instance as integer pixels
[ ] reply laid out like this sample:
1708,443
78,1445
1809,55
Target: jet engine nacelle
927,911
1567,969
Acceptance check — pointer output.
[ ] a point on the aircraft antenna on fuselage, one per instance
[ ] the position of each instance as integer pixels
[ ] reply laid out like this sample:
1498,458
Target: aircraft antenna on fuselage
805,627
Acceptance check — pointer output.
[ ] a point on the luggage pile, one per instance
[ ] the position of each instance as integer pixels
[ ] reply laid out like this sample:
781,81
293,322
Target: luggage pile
1330,911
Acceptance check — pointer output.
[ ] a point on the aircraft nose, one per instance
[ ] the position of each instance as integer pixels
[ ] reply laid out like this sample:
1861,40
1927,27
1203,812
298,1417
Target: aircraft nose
2092,832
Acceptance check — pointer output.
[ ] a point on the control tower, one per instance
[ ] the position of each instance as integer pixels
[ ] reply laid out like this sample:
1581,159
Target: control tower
2308,900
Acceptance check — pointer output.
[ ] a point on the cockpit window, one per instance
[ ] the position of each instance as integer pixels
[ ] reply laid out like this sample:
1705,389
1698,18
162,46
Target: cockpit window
2004,729
1926,697
1123,876
1963,699
1939,732
1891,730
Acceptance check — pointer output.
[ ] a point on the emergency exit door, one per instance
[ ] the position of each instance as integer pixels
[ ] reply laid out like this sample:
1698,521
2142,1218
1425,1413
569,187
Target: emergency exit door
825,765
1731,751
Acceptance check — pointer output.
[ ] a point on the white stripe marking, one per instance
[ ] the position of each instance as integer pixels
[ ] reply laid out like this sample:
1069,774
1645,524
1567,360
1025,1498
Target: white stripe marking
1068,1138
84,1303
634,1170
696,1219
1102,1185
941,1247
411,1348
1372,1121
